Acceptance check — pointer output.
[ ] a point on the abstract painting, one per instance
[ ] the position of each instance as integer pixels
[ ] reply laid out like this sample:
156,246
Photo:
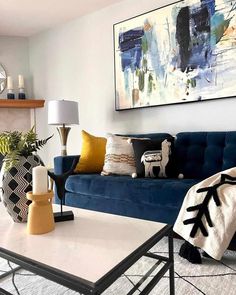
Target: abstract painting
182,52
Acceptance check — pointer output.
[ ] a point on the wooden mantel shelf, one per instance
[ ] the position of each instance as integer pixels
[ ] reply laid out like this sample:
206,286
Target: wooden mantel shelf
22,103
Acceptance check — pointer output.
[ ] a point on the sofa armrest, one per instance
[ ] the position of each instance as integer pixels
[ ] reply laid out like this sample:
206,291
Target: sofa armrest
63,163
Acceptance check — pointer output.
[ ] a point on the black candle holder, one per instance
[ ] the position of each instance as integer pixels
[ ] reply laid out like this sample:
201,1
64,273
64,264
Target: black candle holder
10,94
21,94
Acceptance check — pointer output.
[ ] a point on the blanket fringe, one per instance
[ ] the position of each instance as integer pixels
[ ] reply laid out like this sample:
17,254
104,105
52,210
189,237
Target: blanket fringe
190,253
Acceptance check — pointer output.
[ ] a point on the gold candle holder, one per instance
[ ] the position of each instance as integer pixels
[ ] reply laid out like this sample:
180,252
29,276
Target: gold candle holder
40,215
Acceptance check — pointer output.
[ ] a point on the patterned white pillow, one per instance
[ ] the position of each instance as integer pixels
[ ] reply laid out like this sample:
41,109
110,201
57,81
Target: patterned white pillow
119,158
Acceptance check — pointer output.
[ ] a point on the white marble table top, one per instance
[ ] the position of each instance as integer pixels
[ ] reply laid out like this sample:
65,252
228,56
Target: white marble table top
87,247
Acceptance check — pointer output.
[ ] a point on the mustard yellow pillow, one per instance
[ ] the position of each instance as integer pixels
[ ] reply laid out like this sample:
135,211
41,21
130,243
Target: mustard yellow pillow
92,154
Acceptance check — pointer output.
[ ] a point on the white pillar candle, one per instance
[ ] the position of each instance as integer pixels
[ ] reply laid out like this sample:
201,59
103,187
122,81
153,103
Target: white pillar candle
40,180
9,83
21,81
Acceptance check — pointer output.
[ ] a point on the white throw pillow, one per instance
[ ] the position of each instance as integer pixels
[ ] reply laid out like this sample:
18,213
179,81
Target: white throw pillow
119,158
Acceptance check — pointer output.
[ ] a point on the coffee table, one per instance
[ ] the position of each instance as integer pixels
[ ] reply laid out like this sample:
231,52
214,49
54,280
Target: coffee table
89,253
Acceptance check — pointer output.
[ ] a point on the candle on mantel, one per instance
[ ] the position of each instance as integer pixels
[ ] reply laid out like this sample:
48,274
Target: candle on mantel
21,82
9,83
40,180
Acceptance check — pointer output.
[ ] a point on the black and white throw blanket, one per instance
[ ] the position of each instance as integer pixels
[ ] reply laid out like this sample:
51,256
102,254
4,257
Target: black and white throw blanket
207,218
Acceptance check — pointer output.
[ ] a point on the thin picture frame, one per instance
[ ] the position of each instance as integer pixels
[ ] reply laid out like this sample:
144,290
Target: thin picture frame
178,53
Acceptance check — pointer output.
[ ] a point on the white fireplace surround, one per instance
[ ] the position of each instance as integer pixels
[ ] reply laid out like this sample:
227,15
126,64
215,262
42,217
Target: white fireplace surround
18,114
15,119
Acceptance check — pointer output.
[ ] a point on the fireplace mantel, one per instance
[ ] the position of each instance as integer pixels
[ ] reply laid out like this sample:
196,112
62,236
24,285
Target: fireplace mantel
22,103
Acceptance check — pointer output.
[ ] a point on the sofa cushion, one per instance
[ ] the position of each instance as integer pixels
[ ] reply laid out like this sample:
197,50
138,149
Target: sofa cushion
168,192
202,154
154,212
119,158
92,154
152,157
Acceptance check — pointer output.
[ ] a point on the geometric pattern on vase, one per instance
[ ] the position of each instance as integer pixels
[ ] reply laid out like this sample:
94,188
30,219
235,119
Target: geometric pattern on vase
15,184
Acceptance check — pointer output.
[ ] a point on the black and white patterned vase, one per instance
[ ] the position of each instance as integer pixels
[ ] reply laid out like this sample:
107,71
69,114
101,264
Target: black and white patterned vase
15,183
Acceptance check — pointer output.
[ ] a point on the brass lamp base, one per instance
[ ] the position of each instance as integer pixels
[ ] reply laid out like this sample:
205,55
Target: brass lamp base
63,132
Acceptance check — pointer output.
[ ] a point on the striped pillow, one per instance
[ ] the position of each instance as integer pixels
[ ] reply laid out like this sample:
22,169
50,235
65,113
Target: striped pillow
119,158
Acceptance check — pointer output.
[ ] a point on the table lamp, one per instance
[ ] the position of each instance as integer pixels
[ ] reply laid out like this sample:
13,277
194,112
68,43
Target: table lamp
63,112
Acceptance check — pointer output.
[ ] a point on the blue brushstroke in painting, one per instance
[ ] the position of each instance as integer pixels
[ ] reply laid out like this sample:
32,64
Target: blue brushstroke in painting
153,53
130,44
193,34
126,81
201,51
217,20
210,4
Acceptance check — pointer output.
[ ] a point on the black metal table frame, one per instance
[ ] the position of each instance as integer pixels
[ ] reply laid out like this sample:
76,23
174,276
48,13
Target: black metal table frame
87,287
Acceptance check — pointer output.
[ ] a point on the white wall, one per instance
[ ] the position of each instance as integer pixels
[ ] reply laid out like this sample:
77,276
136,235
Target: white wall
75,61
14,56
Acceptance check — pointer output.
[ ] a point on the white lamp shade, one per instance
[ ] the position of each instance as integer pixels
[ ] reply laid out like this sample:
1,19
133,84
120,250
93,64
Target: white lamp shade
62,112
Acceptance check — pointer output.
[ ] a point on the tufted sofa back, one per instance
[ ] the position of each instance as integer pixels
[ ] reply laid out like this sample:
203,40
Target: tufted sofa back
202,154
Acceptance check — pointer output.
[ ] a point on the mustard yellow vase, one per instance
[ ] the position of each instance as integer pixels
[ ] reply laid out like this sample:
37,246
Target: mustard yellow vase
40,215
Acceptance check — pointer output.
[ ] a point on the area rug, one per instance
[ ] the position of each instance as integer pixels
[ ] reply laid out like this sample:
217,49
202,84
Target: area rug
210,278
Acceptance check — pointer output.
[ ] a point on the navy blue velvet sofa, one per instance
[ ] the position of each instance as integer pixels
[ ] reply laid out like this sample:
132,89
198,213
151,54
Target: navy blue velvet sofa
197,155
